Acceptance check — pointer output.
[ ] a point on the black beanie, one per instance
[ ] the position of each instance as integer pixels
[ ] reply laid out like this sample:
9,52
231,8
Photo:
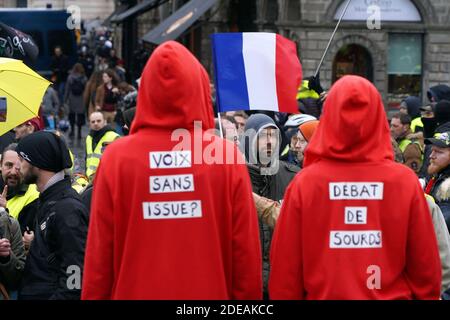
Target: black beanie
442,112
45,150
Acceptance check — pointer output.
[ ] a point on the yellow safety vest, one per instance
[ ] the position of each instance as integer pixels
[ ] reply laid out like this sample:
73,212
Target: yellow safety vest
304,92
93,156
79,184
417,122
403,144
17,203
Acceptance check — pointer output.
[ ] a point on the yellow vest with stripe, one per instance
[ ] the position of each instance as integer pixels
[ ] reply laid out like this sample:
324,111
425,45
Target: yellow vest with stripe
17,203
417,122
93,156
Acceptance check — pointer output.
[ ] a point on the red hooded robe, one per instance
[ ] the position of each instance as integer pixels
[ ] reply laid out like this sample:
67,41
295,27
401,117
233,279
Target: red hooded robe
135,251
354,224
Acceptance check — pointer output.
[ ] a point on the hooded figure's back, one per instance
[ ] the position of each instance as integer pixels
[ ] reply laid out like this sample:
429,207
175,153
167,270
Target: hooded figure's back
165,225
354,224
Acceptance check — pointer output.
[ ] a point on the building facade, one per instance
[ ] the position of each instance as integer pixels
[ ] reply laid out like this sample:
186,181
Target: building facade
402,46
89,9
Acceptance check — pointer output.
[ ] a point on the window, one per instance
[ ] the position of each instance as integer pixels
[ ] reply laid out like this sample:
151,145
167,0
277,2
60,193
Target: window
404,67
22,3
293,13
271,11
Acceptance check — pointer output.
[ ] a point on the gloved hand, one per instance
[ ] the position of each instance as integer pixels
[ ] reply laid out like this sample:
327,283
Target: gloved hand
314,84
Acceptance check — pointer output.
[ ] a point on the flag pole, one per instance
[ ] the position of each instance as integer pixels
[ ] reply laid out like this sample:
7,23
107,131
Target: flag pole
331,39
220,125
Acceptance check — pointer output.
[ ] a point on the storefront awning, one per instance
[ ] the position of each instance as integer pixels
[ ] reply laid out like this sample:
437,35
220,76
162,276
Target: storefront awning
137,10
179,21
122,8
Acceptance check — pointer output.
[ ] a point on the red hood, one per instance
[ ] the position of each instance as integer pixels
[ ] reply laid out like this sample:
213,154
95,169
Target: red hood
174,91
353,126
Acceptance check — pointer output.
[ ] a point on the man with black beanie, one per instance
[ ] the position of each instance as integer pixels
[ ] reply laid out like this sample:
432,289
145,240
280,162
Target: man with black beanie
54,264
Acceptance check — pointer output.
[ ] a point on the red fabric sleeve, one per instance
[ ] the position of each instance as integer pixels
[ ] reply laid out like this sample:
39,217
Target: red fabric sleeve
286,275
247,263
98,266
423,265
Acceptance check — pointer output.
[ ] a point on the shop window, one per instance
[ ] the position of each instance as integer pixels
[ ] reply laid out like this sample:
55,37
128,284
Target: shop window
404,67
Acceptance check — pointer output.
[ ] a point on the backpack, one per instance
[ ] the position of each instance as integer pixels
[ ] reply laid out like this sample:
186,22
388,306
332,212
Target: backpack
77,86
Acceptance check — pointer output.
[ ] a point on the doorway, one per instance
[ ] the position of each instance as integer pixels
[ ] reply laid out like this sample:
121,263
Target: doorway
353,59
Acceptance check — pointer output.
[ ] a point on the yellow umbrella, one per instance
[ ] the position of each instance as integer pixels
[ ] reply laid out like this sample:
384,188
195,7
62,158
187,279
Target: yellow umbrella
21,92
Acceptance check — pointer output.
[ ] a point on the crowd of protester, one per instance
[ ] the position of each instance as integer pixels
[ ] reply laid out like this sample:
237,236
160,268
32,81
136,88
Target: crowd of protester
263,228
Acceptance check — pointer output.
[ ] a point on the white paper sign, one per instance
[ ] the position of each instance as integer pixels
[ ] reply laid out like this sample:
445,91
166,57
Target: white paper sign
172,183
356,190
172,209
170,159
355,239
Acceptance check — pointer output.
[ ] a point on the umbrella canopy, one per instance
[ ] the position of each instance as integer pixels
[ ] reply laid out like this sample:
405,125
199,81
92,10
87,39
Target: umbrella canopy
16,44
21,92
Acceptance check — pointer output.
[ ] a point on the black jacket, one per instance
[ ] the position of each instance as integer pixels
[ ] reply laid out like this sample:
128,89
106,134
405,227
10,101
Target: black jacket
54,264
441,193
60,67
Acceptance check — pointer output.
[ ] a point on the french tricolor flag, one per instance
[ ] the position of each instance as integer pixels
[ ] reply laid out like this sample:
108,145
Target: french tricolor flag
256,71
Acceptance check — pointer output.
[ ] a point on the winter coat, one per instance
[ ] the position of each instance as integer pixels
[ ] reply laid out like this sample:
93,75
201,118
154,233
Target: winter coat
75,102
11,269
440,191
266,182
181,228
100,99
443,238
50,102
354,224
60,67
55,261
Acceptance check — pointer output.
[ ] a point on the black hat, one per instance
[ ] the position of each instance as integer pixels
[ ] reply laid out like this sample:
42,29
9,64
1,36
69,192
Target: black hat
440,140
45,150
442,112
